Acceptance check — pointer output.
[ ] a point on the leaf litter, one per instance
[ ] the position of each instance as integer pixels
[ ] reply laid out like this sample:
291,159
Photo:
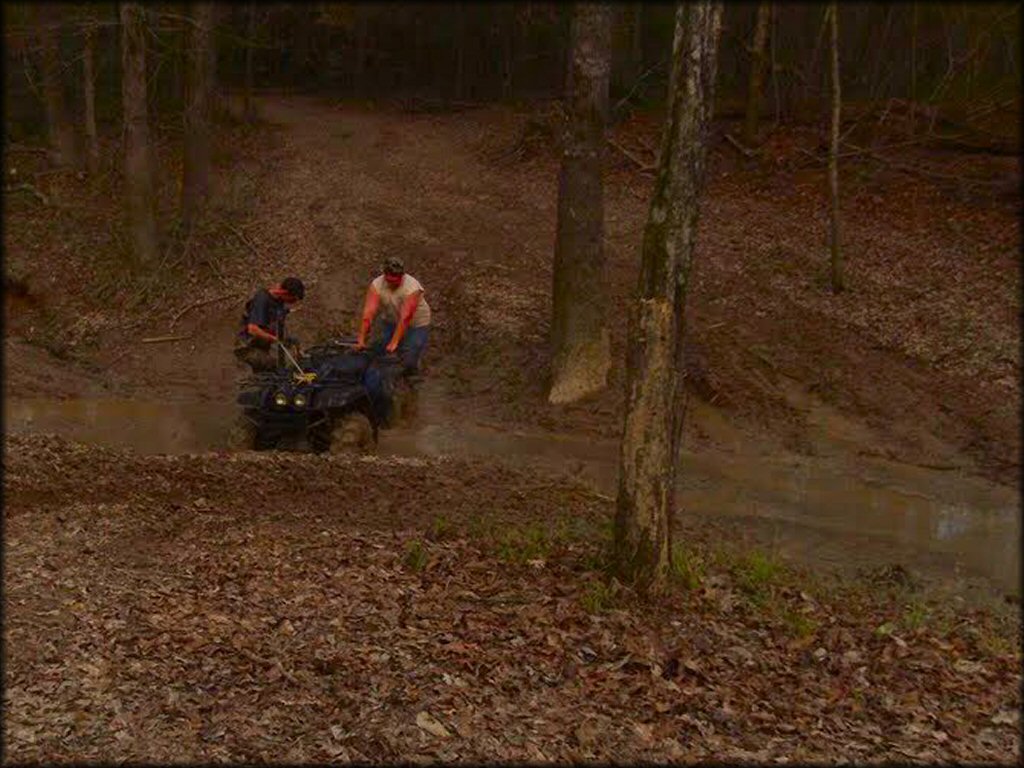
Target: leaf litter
210,608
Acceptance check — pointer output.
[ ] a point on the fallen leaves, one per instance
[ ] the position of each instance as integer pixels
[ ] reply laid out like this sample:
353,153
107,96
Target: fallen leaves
428,723
1007,717
205,637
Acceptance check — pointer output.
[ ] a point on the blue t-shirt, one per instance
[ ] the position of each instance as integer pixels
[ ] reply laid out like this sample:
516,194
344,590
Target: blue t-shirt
266,312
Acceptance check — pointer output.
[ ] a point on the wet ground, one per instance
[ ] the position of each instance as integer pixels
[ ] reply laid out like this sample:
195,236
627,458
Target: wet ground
825,506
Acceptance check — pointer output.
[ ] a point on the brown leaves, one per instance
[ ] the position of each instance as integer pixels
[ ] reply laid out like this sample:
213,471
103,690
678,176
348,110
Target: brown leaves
428,723
235,638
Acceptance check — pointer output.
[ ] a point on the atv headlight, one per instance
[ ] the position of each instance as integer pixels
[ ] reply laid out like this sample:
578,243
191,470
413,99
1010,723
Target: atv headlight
281,399
300,400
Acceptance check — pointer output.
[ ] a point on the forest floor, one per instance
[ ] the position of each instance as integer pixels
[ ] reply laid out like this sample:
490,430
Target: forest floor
917,363
255,607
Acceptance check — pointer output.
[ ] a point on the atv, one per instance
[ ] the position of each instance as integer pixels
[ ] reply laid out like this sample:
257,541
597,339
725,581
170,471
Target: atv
320,398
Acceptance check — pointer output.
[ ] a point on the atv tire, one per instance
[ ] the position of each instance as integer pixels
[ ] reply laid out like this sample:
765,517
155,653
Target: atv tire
242,436
352,434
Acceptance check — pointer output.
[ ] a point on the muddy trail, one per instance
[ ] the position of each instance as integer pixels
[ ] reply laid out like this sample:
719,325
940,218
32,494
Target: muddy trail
834,510
849,471
922,351
267,606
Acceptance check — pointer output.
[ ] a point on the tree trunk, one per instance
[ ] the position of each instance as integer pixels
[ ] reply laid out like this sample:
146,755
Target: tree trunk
637,47
358,85
250,39
654,361
199,77
303,41
833,157
89,90
138,173
58,122
757,61
508,41
882,53
460,52
811,72
581,351
913,68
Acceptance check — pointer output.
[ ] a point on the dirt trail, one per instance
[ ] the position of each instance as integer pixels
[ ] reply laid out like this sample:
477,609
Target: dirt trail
922,349
339,189
339,186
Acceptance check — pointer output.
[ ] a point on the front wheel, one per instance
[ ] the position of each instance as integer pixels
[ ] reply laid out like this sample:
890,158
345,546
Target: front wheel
352,433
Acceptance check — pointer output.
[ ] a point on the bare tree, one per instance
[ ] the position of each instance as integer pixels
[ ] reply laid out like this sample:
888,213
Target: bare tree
302,42
138,172
913,68
653,423
92,154
58,122
637,40
199,84
250,40
460,50
579,331
833,155
757,62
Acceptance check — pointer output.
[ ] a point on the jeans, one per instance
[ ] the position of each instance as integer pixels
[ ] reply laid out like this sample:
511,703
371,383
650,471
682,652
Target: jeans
410,348
378,385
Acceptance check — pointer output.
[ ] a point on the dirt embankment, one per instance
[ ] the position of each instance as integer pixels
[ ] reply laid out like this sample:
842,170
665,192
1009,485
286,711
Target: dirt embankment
269,607
923,347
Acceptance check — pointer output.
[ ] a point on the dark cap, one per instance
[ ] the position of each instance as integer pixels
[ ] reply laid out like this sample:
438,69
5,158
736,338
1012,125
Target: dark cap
393,266
295,287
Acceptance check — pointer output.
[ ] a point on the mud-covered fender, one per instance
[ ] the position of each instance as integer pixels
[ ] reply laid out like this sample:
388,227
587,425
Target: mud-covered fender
330,399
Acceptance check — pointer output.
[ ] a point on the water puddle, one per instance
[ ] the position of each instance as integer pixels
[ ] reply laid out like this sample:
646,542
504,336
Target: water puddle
836,508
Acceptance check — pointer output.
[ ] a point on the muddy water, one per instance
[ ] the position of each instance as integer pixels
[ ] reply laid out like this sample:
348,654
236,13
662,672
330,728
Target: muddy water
833,507
846,513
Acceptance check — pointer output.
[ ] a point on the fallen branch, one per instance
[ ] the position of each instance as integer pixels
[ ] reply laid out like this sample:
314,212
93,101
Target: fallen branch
242,237
25,148
645,167
163,339
196,304
647,145
625,99
957,142
212,264
764,358
921,171
905,167
28,188
747,152
117,359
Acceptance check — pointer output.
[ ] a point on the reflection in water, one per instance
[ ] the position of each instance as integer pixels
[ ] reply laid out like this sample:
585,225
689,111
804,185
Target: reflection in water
952,521
840,507
140,426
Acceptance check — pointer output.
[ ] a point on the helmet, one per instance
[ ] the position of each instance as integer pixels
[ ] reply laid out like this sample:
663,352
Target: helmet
393,266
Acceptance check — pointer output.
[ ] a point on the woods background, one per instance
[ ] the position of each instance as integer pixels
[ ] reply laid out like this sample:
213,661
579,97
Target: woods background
948,58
